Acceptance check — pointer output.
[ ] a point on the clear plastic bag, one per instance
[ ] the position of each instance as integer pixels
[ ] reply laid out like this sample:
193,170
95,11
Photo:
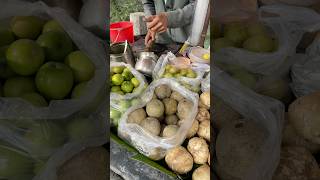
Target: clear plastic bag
205,83
136,74
16,108
268,113
291,2
288,37
305,75
153,146
190,83
120,103
53,142
303,18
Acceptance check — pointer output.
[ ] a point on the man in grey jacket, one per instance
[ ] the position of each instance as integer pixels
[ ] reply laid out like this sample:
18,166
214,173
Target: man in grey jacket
168,21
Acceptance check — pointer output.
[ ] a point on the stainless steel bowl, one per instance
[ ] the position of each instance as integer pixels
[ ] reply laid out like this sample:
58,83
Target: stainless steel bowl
146,62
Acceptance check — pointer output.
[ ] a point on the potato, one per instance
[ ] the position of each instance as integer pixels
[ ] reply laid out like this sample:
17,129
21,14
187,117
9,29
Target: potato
184,108
194,129
237,147
155,108
170,130
170,106
163,91
171,120
205,99
137,116
201,173
297,163
179,160
291,138
203,114
204,130
223,114
304,116
87,164
176,96
199,150
151,125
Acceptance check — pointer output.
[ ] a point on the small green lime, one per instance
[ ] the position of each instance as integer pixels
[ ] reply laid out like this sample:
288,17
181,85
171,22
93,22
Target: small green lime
127,87
126,70
114,114
127,75
173,70
183,72
168,75
168,67
115,88
117,79
135,82
117,69
120,92
191,74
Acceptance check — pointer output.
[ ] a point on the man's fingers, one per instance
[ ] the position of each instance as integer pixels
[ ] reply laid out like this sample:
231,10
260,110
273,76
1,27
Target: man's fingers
157,27
149,43
147,38
154,22
162,30
153,36
148,18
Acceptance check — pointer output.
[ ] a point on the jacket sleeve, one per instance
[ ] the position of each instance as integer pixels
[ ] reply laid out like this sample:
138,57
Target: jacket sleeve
149,7
181,17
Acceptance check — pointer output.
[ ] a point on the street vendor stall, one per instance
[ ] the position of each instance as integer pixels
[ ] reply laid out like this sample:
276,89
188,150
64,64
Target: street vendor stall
160,101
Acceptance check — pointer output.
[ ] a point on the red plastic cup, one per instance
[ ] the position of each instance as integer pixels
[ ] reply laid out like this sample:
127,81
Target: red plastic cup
121,31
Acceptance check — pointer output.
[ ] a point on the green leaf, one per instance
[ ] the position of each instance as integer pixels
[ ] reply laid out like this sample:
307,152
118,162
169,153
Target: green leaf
144,159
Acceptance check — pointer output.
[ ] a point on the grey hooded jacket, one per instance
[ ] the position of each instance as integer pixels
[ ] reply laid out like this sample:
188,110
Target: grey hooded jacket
180,16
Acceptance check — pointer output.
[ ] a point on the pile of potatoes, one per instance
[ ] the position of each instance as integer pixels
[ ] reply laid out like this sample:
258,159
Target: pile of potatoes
301,140
238,140
163,114
182,159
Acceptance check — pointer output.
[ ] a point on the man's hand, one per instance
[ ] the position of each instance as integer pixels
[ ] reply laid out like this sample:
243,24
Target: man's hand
150,37
157,23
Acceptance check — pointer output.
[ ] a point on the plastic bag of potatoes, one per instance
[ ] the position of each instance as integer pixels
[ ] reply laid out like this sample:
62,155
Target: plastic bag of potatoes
161,120
248,145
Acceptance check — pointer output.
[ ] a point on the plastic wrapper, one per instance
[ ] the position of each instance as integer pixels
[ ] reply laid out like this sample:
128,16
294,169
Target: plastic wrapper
305,75
191,83
305,19
266,112
155,147
287,36
16,108
205,84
